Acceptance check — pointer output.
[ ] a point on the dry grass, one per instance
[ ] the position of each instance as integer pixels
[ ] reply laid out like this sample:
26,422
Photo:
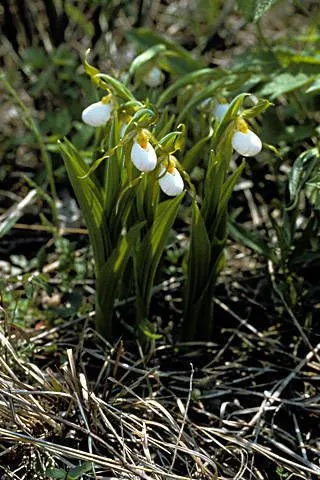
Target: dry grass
179,412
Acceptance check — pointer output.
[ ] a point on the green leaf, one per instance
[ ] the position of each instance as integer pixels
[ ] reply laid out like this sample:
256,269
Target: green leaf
247,8
56,473
254,9
112,177
180,61
35,58
149,330
77,472
215,177
315,87
58,123
79,18
153,244
261,6
192,156
196,99
285,83
124,204
143,118
173,141
198,76
109,83
198,270
257,109
226,82
64,57
164,124
249,239
218,231
146,57
90,197
40,281
110,278
304,61
312,190
300,173
228,187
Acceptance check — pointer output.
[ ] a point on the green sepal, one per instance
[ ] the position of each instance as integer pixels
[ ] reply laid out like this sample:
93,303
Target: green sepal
257,109
173,141
89,69
117,88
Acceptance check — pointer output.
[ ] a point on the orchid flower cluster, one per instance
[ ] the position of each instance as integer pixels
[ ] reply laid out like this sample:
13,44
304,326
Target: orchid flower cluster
143,154
128,222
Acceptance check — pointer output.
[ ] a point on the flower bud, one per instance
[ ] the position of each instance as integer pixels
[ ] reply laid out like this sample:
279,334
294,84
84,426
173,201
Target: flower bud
245,141
97,114
170,181
154,77
220,110
143,156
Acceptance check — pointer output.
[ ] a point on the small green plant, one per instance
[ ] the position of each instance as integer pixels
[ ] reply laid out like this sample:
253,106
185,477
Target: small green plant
121,188
72,474
281,471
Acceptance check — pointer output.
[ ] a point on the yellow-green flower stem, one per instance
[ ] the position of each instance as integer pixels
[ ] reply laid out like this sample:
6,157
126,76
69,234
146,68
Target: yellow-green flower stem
106,99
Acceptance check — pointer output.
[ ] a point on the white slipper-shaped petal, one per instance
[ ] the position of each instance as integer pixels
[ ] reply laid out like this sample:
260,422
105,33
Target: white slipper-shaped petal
97,114
171,183
144,159
247,144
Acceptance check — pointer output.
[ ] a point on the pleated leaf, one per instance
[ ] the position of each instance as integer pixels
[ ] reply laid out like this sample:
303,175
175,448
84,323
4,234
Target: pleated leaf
90,197
110,278
152,246
198,270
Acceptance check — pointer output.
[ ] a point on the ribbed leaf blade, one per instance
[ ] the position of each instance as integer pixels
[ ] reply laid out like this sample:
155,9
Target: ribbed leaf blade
110,276
198,271
152,247
89,195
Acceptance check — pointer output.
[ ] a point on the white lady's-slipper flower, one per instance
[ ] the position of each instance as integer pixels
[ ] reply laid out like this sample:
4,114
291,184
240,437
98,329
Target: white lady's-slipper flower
245,141
153,77
220,110
97,114
170,180
143,156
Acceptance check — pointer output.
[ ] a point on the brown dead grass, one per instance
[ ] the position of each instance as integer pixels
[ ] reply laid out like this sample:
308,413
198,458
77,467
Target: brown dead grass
178,412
